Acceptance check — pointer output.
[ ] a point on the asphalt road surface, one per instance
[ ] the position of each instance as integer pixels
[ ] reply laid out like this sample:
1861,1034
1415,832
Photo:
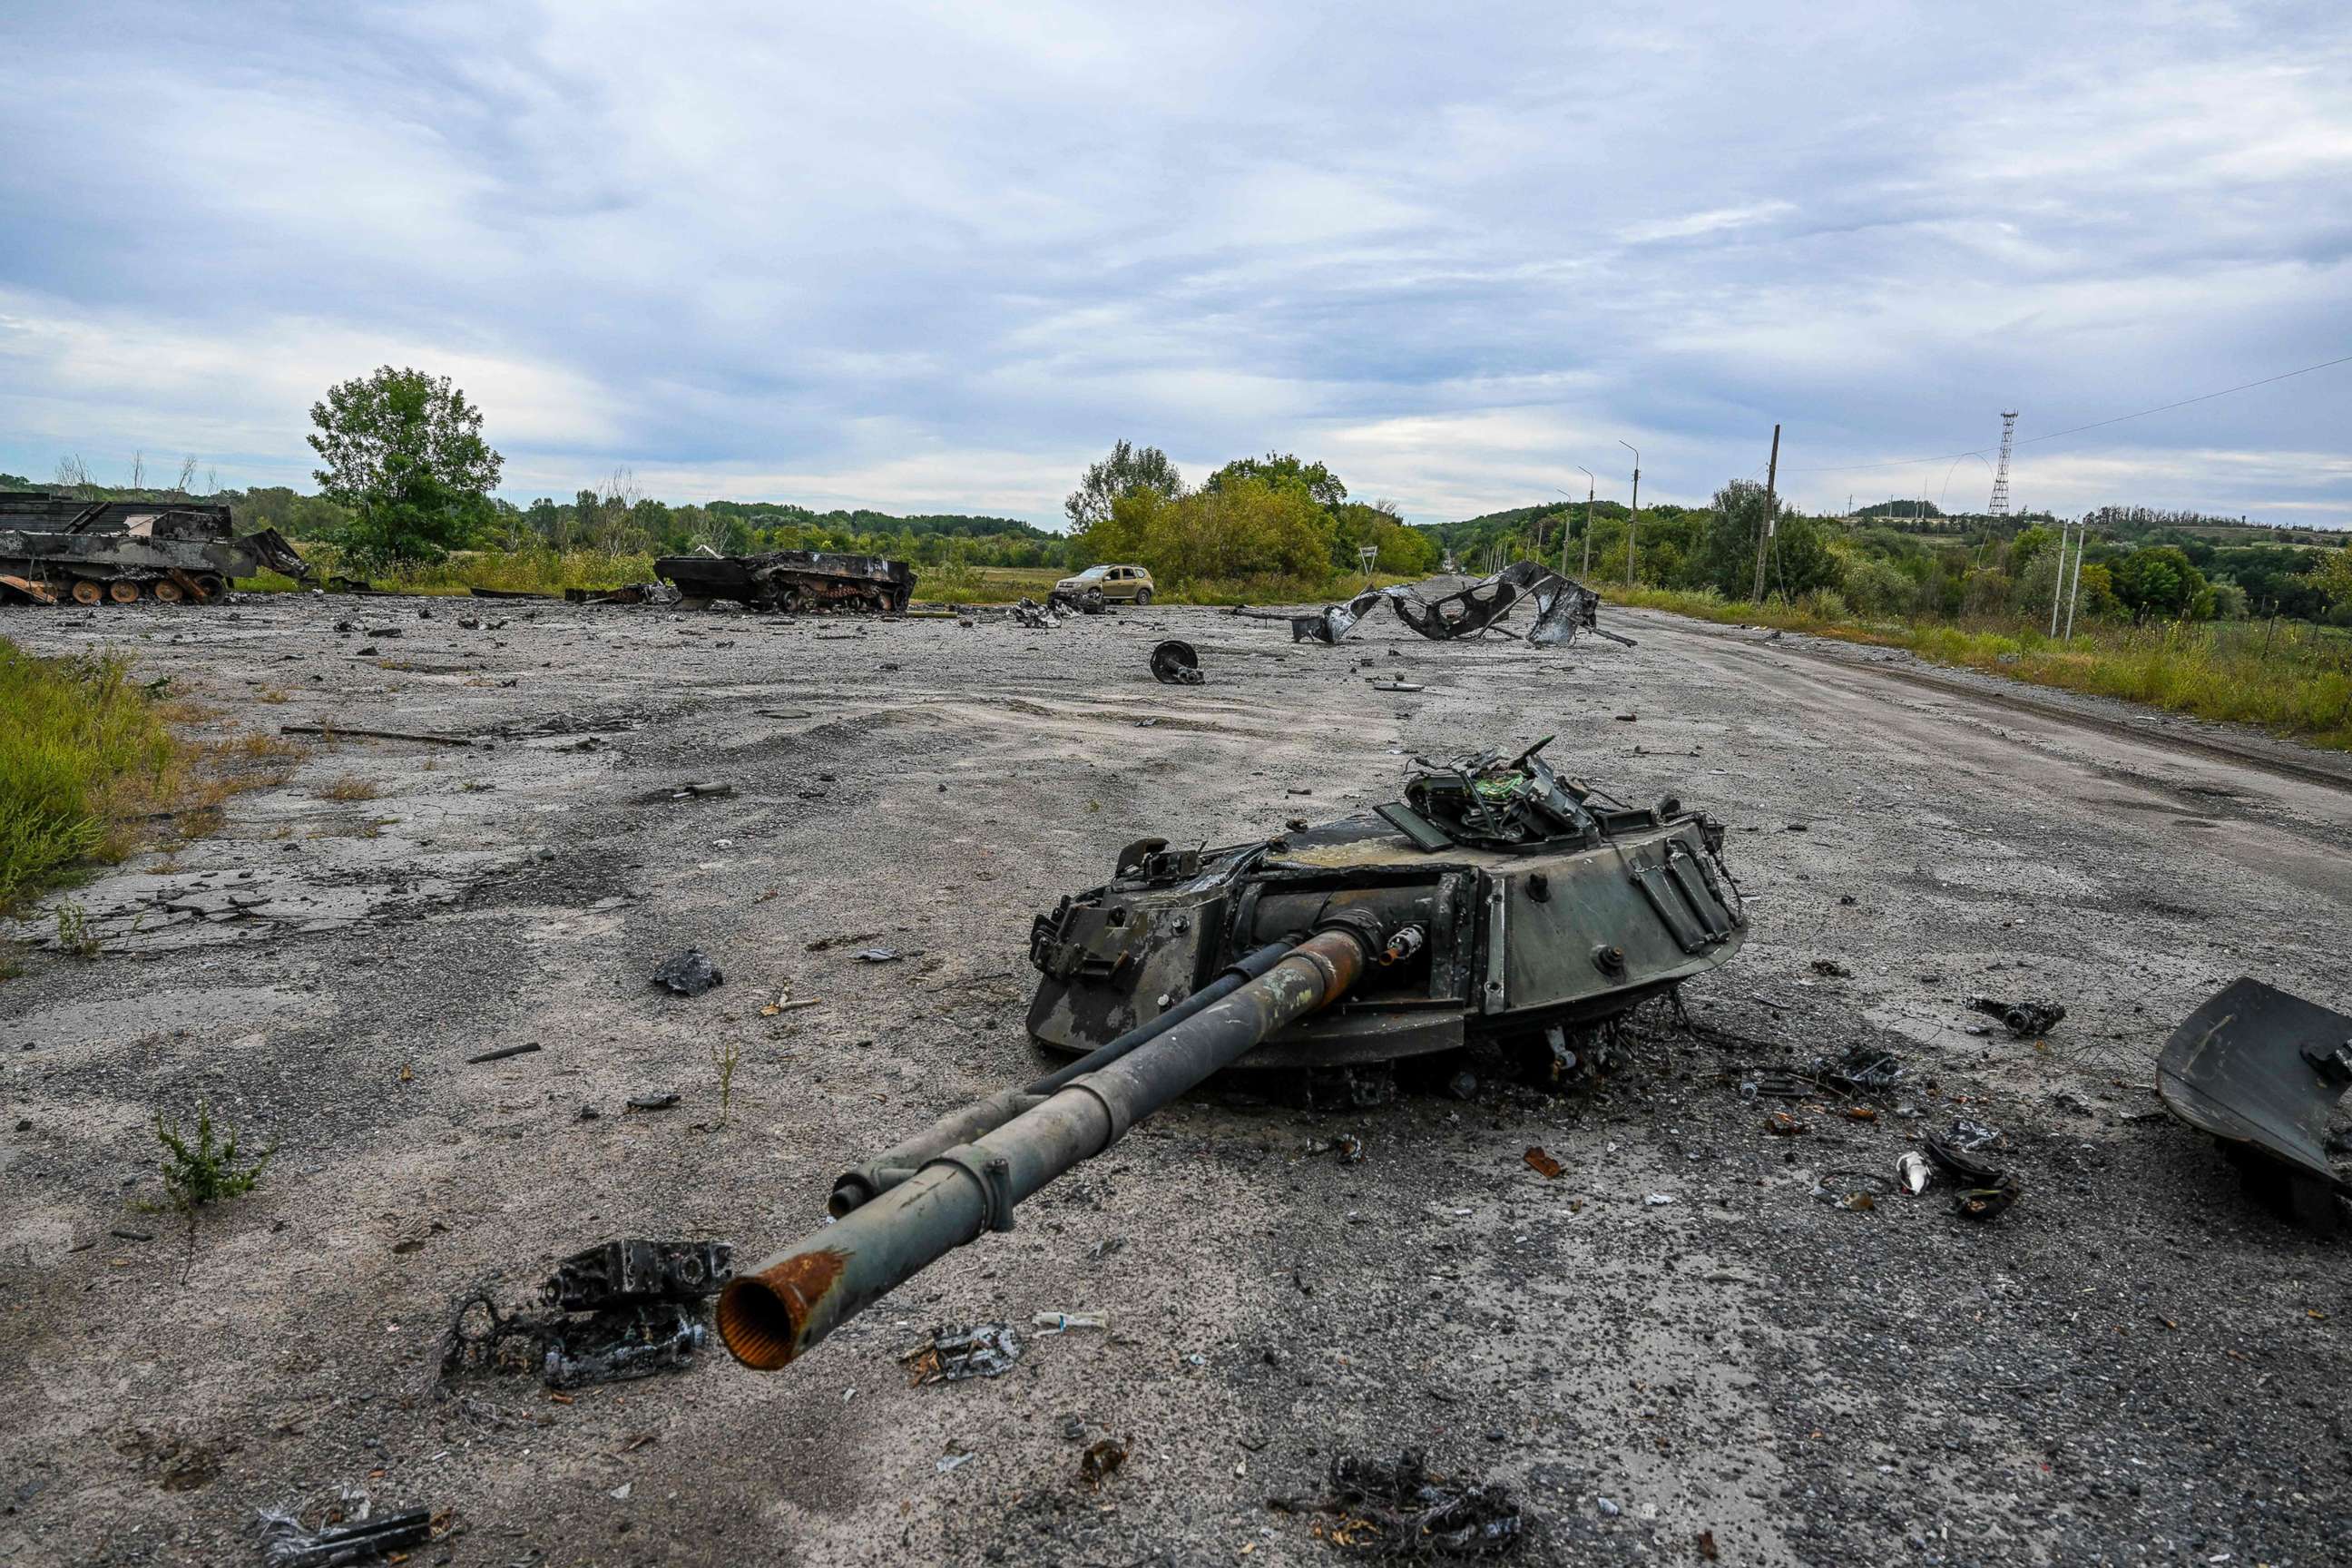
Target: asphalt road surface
2135,1364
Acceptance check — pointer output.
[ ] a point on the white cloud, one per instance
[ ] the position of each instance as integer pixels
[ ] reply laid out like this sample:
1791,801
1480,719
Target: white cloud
913,255
1713,222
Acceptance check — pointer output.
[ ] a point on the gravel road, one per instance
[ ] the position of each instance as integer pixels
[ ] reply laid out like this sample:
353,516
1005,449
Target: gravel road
2133,1365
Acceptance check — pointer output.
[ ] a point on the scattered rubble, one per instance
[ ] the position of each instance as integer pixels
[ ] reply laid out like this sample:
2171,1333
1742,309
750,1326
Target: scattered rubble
688,973
2024,1020
624,1309
286,1544
953,1354
1401,1508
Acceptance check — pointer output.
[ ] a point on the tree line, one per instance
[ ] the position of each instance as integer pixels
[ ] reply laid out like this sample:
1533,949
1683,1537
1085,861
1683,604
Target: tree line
407,476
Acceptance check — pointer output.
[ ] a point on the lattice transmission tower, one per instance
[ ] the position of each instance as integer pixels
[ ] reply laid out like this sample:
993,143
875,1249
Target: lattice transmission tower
1999,507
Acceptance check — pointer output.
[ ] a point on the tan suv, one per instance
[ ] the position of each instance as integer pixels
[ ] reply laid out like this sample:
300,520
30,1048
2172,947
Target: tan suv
1120,584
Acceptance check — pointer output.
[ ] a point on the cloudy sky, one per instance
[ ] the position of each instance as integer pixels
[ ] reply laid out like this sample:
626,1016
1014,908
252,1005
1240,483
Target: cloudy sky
938,257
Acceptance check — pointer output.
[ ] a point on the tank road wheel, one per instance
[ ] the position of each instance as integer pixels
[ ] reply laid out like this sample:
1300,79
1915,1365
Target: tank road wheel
86,591
209,587
122,591
168,592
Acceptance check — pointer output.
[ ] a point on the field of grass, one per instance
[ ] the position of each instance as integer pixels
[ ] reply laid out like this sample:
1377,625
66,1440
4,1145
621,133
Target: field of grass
545,572
523,572
82,751
2290,677
94,765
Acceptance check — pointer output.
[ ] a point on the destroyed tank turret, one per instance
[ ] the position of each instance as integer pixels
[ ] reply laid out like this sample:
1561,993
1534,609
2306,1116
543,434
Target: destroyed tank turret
1496,900
55,547
1548,907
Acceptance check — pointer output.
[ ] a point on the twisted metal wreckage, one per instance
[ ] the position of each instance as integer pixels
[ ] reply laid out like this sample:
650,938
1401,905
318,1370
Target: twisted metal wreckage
1563,607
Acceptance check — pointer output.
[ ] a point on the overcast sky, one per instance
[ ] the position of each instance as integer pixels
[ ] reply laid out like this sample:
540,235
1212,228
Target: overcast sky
939,258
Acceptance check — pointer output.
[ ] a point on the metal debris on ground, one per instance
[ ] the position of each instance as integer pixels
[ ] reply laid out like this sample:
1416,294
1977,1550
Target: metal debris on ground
1395,685
1543,1165
1401,1508
622,1273
1985,1191
953,1354
1563,607
880,955
1103,1456
1062,1322
624,1309
1859,1190
951,1463
1913,1171
621,1343
1346,1147
2024,1020
502,1053
1967,1137
2261,1070
286,1544
1781,1124
1860,1069
1175,664
712,791
1830,968
653,1101
1035,616
688,973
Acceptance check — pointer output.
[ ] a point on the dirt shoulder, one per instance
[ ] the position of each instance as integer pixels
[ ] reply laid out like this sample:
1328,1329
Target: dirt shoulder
2134,1361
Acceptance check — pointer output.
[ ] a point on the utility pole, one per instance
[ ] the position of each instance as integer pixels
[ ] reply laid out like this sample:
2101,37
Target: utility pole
1764,529
2074,593
2058,591
1633,518
1590,485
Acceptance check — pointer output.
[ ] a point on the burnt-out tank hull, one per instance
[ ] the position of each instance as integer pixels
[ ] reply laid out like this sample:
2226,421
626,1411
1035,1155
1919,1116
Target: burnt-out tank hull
1556,935
54,549
793,580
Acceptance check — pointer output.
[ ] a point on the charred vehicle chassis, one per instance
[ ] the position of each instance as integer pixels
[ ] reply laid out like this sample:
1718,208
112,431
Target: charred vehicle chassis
792,581
54,548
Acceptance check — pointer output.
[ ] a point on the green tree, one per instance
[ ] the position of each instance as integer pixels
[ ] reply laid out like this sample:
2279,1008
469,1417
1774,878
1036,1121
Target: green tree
2029,543
1801,561
2158,580
1129,469
1274,468
404,452
2334,576
1725,559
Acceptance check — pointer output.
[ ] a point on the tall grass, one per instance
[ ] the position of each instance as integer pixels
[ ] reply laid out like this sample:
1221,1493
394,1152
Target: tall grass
2290,677
956,582
81,750
521,571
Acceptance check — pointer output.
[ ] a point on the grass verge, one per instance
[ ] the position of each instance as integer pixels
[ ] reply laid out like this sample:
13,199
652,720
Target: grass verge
83,752
2291,679
93,765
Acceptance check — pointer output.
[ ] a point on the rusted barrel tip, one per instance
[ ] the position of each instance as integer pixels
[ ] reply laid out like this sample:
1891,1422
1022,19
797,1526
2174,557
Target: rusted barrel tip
756,1324
763,1316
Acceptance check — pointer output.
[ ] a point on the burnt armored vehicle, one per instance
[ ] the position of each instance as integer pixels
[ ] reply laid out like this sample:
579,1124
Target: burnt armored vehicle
1563,608
54,547
790,579
1496,900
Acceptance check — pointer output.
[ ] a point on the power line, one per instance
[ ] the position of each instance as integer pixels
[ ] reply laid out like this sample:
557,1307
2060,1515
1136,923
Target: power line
2077,430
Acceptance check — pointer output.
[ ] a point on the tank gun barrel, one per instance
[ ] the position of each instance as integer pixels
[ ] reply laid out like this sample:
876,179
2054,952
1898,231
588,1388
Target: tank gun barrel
771,1314
902,1160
